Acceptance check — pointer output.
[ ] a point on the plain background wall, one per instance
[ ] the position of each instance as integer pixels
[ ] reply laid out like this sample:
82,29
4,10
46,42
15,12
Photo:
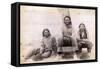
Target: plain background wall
5,34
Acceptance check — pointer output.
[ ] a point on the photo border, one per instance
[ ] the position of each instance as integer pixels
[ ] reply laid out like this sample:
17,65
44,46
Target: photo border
16,61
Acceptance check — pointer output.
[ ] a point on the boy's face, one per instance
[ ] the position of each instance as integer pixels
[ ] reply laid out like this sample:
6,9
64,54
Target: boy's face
46,33
67,20
82,27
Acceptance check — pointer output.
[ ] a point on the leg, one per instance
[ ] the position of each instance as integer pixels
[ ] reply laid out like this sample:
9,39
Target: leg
70,42
60,44
32,53
74,44
79,47
88,45
46,54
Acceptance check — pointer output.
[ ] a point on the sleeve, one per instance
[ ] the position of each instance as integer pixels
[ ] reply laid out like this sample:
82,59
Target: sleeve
42,44
42,47
54,41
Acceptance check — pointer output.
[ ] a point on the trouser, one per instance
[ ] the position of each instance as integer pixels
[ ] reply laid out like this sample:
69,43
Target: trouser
84,44
67,42
39,54
45,54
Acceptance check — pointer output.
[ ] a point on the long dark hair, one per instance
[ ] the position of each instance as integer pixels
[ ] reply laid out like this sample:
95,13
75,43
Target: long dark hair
69,18
44,31
85,31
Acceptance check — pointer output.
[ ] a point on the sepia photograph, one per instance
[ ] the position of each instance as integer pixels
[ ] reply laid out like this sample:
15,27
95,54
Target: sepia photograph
54,34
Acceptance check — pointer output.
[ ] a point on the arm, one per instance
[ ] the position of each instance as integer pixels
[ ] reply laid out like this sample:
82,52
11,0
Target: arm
42,46
54,41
